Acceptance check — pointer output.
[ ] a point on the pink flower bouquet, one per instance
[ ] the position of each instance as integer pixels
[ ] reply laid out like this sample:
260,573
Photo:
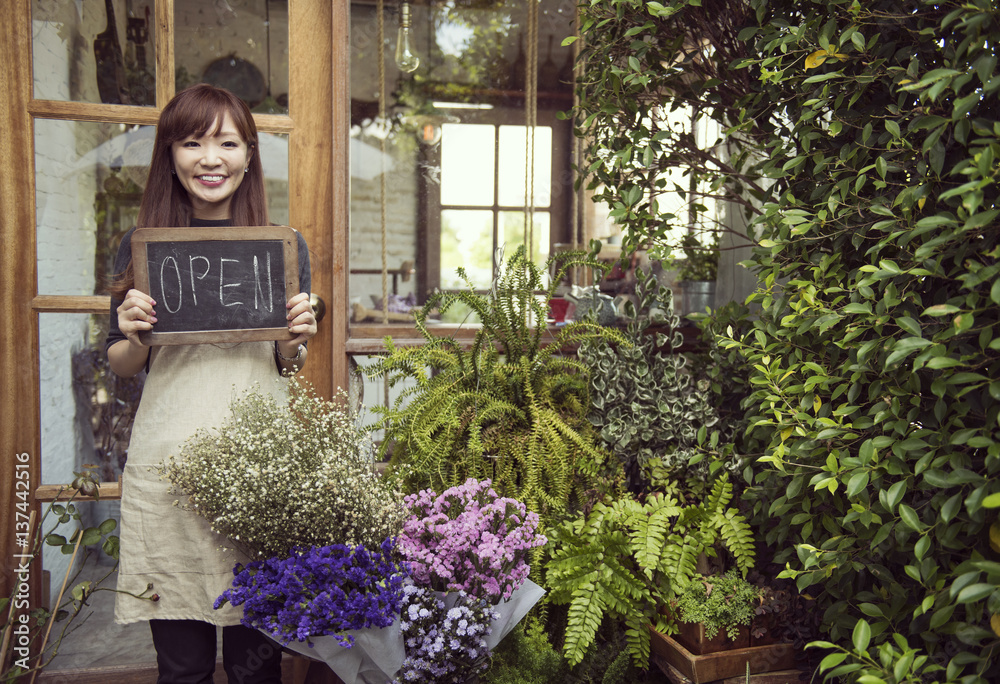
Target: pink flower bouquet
469,539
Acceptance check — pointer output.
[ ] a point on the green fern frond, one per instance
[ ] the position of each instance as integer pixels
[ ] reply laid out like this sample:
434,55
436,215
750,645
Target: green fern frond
647,539
738,538
506,407
637,637
623,590
586,610
721,495
678,561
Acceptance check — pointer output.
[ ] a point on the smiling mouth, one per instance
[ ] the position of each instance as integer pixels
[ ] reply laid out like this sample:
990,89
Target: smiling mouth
211,179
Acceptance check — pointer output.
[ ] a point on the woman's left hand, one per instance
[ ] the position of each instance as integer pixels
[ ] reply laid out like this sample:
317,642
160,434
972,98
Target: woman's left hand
301,320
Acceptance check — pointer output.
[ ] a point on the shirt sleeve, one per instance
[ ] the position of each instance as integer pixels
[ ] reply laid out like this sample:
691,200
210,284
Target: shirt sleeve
121,263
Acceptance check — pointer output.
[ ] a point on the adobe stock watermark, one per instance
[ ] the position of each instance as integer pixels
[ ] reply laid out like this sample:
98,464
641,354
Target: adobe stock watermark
20,597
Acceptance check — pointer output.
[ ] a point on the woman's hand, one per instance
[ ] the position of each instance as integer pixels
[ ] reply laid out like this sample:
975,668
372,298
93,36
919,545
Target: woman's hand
301,319
302,324
136,314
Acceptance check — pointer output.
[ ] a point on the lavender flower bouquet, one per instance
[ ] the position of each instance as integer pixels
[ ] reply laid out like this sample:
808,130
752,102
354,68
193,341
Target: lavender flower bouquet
469,539
444,644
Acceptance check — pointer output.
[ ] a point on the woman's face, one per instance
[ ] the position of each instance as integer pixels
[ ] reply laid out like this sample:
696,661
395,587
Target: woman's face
211,167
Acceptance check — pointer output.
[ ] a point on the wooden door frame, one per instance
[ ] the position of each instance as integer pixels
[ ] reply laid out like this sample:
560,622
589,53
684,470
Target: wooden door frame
318,206
19,407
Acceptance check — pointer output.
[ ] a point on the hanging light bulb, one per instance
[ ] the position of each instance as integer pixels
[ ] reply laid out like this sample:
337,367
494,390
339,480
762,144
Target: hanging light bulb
406,60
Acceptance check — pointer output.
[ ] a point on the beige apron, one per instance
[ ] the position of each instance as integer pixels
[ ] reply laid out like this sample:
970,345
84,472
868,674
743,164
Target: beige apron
189,387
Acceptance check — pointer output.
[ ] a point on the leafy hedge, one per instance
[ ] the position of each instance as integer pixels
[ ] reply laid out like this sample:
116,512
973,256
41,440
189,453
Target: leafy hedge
877,355
865,141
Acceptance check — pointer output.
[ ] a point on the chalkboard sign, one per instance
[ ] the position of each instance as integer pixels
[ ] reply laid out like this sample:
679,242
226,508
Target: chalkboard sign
216,284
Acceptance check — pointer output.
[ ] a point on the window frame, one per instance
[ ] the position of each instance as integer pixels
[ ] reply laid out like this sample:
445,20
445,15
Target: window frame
430,204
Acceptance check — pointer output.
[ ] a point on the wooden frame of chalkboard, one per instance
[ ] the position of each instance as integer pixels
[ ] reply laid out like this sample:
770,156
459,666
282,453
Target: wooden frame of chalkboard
220,284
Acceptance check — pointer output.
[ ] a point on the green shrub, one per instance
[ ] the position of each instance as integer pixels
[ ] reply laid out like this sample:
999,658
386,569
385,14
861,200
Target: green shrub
525,656
876,352
720,603
650,410
863,140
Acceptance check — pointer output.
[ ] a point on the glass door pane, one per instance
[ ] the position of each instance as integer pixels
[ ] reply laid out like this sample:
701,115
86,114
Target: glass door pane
467,165
102,52
241,45
449,135
467,242
511,174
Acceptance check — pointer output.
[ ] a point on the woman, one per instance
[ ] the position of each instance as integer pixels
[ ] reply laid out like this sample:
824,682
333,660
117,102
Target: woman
205,171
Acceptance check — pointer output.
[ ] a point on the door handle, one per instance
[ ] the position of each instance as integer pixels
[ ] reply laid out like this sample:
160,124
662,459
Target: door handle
318,306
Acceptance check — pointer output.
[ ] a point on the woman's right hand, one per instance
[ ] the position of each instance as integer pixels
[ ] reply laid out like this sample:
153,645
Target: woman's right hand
136,314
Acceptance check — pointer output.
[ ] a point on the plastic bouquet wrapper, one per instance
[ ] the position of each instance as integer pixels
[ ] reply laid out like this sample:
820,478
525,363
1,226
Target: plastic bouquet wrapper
509,612
378,654
375,658
466,550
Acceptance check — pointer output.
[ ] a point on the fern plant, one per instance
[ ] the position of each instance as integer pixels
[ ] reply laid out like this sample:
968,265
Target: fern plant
626,558
510,407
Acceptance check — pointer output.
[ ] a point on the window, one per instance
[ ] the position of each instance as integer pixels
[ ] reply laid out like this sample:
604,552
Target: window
478,206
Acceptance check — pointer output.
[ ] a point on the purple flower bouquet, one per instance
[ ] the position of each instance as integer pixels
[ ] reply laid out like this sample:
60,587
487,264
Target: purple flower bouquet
335,603
427,606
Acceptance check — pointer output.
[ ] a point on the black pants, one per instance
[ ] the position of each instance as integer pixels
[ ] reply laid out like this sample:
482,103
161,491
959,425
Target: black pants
186,652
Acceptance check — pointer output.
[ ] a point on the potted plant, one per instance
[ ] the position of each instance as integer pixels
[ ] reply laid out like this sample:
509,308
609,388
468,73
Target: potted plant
627,556
714,612
647,405
697,272
727,625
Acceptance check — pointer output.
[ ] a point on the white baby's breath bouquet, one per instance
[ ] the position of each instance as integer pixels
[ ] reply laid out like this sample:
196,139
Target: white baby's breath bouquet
276,476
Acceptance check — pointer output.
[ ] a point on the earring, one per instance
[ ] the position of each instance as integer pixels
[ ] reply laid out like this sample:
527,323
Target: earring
246,170
172,172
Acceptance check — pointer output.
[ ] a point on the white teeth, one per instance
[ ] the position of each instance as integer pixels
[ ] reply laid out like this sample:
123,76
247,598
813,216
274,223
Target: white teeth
211,179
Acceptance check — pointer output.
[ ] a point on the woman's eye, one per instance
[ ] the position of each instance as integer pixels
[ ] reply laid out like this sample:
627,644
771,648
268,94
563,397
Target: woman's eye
190,143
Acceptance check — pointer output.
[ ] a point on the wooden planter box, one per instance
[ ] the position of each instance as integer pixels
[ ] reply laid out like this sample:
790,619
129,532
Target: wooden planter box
711,667
692,637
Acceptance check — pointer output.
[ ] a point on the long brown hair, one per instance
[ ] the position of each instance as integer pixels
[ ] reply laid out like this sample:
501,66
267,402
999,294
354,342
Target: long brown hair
165,203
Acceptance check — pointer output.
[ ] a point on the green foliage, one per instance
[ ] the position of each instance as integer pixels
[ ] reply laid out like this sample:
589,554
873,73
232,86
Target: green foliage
864,138
525,656
22,631
625,558
876,352
650,411
719,602
644,85
894,661
701,261
509,407
618,670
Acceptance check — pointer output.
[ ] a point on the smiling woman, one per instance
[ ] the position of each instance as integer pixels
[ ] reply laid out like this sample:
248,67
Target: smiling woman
211,167
203,174
82,168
